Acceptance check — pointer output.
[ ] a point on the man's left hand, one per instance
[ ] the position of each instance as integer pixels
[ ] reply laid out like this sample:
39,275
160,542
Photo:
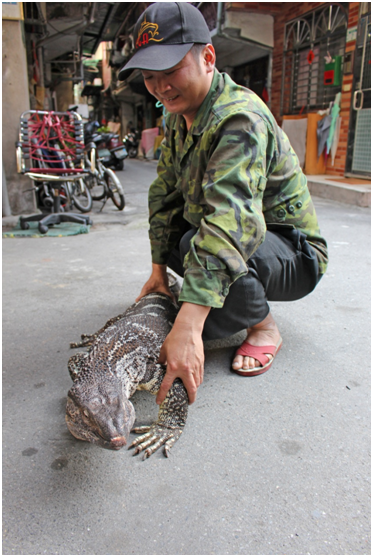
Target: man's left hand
183,352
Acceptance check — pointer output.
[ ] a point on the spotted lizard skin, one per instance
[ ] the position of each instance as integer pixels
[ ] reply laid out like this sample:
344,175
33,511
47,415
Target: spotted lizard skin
121,359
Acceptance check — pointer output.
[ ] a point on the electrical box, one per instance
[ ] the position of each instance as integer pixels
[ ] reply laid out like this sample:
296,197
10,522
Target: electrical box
348,62
333,72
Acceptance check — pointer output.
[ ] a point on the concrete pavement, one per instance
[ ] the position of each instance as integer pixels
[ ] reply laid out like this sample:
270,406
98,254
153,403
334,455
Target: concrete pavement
277,464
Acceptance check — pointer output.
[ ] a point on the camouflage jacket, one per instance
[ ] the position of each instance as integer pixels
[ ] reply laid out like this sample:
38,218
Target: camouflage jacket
232,175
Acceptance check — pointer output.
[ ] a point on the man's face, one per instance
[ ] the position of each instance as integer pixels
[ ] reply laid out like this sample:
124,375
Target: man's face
183,88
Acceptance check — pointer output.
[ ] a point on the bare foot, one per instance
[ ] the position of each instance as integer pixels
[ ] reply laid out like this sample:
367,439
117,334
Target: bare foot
265,333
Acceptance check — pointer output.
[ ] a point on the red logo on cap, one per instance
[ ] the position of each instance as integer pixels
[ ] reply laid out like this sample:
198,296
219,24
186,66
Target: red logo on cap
147,33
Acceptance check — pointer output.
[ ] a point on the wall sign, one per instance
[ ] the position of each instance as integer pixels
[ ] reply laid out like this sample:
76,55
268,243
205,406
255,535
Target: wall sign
12,10
351,34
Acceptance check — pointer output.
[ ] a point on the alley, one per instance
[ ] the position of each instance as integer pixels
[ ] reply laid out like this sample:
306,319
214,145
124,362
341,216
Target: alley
274,464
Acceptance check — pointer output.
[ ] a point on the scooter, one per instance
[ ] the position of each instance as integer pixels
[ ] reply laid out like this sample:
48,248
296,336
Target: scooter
110,150
131,142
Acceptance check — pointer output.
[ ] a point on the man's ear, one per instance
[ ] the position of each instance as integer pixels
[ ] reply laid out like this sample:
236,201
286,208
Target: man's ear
209,57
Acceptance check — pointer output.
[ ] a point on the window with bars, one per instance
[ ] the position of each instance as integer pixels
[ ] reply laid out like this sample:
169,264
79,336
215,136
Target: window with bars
309,40
305,84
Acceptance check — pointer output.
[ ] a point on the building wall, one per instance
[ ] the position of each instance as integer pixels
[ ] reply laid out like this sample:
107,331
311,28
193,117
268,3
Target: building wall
15,101
128,117
64,95
290,11
340,159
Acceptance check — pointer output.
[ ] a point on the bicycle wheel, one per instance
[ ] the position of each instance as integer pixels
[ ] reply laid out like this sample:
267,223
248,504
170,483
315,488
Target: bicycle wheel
95,181
115,190
81,197
97,187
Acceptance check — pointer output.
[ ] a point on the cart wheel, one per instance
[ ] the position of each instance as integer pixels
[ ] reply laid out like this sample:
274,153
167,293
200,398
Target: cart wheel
24,225
43,229
89,221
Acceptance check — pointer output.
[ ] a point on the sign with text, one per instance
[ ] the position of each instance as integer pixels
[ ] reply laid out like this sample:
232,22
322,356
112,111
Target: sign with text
351,34
12,10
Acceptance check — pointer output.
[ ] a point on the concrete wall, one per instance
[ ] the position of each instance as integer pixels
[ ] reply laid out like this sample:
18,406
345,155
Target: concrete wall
257,27
15,101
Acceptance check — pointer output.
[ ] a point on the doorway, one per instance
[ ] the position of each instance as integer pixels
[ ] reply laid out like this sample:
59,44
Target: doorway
358,161
253,75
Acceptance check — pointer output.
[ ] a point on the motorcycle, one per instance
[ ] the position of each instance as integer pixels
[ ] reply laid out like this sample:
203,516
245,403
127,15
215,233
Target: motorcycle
131,143
110,150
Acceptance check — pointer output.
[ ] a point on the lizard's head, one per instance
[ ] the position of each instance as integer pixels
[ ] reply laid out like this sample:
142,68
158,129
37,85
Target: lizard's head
100,413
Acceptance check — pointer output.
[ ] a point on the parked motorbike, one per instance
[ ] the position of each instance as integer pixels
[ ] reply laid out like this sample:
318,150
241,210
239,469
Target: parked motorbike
110,150
131,143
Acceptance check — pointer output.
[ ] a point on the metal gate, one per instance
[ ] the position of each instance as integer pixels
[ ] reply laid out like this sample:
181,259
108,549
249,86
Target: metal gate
359,144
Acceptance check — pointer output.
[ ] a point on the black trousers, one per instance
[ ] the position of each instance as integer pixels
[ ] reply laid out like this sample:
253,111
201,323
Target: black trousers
284,268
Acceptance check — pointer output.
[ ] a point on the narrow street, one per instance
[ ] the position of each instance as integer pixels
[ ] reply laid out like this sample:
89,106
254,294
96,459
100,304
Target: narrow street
276,464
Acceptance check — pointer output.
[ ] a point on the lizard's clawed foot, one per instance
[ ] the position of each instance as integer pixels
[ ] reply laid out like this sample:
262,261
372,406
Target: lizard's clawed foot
154,437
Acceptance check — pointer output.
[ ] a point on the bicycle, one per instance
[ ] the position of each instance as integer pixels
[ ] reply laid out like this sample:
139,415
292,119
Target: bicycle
76,194
102,182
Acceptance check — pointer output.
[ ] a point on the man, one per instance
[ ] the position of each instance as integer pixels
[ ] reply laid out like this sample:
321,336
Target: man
230,210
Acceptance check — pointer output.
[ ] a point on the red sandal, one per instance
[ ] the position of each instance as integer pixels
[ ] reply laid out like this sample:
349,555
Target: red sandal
260,354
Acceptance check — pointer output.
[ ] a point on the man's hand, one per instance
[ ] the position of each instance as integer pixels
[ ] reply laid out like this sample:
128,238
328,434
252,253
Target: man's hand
158,282
183,351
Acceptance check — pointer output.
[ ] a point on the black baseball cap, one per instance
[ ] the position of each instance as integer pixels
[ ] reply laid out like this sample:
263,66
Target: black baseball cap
164,34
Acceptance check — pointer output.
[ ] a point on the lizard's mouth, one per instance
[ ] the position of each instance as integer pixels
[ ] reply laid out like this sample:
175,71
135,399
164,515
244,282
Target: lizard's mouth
118,442
114,444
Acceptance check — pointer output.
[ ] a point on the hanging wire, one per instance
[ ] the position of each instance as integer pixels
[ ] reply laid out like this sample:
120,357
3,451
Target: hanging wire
158,104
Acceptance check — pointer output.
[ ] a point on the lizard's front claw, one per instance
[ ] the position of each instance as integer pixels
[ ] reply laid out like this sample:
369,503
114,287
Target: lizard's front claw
154,438
141,429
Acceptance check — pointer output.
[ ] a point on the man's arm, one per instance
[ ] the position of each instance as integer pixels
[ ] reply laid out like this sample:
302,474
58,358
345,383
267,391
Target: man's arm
183,351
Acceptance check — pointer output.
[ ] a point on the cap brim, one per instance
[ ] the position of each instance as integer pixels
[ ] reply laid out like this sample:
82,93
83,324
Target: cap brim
155,58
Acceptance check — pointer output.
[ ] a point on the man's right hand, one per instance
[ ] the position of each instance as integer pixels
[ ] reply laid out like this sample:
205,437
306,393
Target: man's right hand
158,282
